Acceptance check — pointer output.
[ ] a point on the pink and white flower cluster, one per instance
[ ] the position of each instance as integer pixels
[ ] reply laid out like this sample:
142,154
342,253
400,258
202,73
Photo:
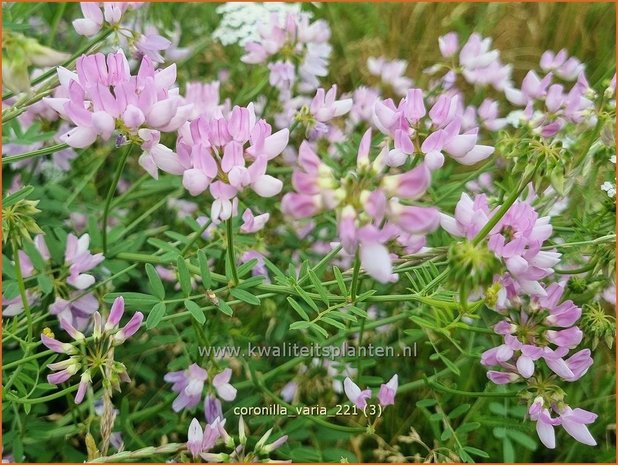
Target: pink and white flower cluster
368,202
543,328
442,132
95,17
477,62
214,154
189,384
105,330
70,304
549,106
103,97
295,50
386,395
517,239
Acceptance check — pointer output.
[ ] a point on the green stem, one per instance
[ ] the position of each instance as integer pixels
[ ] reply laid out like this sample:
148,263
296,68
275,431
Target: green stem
441,387
22,288
230,250
40,400
196,236
111,191
354,285
34,153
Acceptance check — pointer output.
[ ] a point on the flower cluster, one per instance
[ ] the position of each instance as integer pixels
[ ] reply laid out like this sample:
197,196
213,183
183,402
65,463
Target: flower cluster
543,328
549,106
517,239
104,97
477,62
70,305
367,200
202,440
93,354
295,50
214,154
412,133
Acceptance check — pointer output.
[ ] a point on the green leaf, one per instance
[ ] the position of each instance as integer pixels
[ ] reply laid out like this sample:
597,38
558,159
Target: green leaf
508,451
132,299
467,427
12,199
245,296
184,277
34,255
225,308
319,330
195,311
45,283
300,325
459,410
162,245
425,403
279,276
319,287
357,311
156,285
251,282
450,365
246,267
204,269
307,298
477,452
332,322
299,309
522,438
155,315
340,281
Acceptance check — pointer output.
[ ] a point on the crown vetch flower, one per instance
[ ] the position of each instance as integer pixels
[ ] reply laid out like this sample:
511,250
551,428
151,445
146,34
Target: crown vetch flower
104,97
104,337
217,151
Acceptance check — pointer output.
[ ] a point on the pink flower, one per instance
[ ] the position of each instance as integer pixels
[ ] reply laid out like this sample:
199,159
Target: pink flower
251,223
79,259
544,423
390,73
449,44
225,145
307,42
354,393
221,383
574,421
324,107
195,437
386,396
189,385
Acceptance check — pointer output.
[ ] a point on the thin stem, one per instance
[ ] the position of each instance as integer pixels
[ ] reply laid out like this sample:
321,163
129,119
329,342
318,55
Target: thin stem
34,153
111,191
230,250
194,239
354,286
39,400
441,387
22,288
